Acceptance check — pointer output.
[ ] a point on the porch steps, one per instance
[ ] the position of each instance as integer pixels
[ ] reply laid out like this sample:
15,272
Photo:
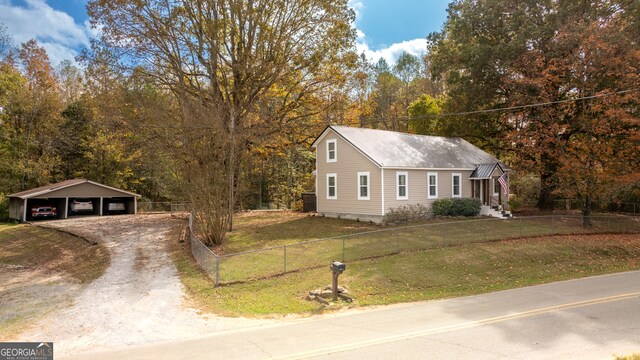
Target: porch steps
495,211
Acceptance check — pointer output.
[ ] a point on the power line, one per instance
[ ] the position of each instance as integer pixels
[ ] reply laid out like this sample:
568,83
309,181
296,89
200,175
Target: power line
525,106
517,107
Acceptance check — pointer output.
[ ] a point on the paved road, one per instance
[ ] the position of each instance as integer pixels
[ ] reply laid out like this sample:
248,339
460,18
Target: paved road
591,318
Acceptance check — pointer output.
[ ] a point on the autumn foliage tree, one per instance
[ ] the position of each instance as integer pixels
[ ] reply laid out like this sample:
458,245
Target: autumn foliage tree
219,59
578,58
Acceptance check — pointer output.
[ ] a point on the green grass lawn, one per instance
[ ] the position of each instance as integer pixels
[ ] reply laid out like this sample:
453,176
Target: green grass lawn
254,230
410,275
287,240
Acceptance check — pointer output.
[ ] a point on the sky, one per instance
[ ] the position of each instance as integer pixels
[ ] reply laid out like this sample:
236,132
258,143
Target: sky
385,28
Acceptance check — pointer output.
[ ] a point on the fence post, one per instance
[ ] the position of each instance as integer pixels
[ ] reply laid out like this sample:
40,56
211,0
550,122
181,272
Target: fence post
553,224
397,243
343,249
285,258
217,271
444,244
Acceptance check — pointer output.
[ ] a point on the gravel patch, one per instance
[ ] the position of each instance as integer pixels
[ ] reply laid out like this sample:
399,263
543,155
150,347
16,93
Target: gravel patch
139,299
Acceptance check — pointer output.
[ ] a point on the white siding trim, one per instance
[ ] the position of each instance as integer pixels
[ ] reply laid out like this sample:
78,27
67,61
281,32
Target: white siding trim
406,185
382,187
368,175
429,175
335,150
335,182
453,176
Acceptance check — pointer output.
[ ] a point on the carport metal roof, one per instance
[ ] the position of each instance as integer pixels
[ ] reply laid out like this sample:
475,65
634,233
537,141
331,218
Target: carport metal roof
43,190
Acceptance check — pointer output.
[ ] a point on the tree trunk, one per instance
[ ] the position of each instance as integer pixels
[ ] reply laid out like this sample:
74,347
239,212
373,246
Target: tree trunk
586,212
232,167
545,200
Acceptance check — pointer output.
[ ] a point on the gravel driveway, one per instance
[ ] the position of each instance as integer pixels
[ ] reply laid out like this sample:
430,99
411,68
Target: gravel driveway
139,299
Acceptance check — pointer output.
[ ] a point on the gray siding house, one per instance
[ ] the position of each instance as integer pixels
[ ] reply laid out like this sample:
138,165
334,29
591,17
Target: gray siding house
362,173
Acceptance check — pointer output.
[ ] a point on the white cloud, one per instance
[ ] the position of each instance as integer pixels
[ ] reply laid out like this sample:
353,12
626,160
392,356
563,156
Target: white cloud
55,30
417,47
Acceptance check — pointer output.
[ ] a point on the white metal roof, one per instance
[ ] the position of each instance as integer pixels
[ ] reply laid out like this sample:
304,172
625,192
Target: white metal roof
390,149
27,194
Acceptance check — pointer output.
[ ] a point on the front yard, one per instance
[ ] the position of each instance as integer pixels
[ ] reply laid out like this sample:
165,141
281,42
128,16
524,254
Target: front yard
406,273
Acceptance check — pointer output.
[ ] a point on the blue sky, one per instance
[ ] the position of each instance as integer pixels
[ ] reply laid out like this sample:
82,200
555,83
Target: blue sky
385,28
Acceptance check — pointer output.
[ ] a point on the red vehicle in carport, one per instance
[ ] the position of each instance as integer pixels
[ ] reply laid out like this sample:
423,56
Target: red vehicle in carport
43,211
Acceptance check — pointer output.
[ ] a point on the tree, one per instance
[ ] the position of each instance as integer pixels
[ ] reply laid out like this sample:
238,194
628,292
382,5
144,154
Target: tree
407,69
71,81
30,118
6,42
219,58
496,54
423,115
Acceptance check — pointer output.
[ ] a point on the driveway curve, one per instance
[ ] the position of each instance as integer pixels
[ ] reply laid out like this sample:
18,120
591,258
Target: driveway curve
139,299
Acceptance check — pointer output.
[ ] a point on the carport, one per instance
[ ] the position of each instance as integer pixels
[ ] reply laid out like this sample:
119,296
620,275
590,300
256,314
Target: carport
62,194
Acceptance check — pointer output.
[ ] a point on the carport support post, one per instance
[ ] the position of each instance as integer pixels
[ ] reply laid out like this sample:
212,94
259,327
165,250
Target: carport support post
101,206
135,208
66,207
24,212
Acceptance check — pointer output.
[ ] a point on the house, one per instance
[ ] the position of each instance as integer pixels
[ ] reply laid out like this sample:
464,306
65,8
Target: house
362,173
95,198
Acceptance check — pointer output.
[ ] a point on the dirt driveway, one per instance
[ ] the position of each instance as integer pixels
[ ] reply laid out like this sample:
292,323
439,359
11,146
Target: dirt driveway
139,299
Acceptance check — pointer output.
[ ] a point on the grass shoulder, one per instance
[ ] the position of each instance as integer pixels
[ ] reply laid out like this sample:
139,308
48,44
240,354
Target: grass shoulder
418,275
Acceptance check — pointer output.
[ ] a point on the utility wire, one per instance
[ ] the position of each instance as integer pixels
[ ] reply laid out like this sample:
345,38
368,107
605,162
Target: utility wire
517,107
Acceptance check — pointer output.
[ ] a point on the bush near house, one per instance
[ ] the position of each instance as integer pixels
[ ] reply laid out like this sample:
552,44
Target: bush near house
456,207
406,213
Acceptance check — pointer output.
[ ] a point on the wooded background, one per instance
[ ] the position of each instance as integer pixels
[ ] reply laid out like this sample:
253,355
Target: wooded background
216,102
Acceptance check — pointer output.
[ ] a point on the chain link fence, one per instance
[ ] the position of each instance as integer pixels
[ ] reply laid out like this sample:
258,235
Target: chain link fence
176,209
267,262
576,204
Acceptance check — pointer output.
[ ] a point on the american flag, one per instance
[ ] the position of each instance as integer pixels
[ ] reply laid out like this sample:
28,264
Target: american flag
504,183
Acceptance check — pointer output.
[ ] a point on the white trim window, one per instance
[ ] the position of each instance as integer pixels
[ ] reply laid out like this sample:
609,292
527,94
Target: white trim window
496,186
364,186
432,185
456,185
402,185
332,186
332,150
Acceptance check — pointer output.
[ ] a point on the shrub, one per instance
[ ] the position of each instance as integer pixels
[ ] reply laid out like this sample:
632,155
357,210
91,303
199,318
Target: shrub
515,204
4,207
442,207
456,207
406,213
